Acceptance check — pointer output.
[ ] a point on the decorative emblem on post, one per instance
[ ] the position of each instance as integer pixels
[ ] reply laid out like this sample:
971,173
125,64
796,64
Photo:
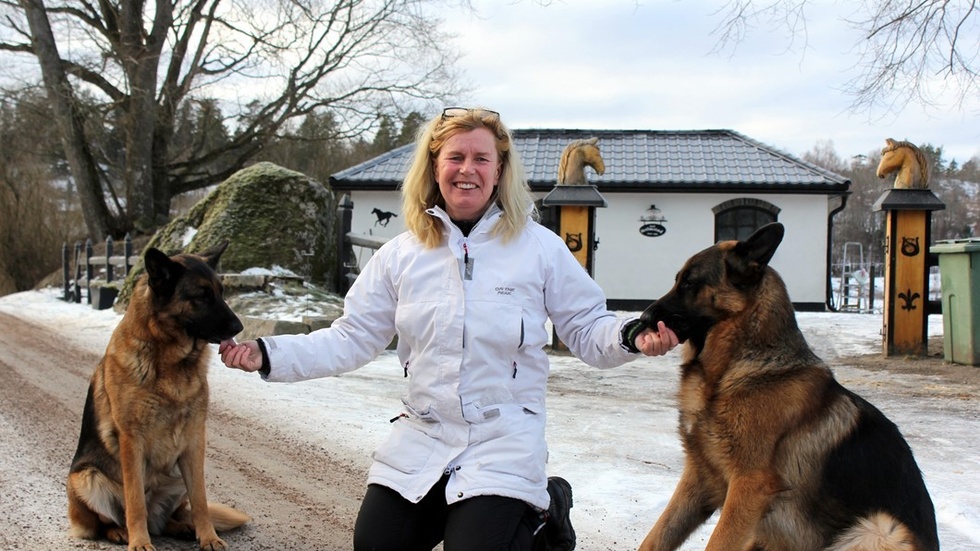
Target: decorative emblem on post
910,164
575,157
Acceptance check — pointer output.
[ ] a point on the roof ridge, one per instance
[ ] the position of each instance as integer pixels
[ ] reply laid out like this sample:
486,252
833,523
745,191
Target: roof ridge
638,159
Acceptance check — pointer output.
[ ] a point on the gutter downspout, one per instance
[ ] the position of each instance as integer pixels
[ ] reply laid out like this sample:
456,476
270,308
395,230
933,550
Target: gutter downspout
830,250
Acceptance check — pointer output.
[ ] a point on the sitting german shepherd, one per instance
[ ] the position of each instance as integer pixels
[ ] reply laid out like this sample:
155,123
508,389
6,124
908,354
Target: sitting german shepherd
794,460
139,467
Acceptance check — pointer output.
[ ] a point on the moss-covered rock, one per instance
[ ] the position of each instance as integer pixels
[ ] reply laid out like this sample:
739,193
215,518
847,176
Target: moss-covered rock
271,216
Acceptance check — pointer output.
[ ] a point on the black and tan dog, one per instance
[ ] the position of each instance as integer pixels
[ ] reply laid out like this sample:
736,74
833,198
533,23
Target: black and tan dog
794,460
139,467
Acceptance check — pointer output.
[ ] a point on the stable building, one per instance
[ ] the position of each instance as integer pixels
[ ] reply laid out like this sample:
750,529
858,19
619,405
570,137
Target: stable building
666,194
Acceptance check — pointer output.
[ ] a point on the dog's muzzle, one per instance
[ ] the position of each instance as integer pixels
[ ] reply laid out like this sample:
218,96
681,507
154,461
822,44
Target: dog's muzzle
657,313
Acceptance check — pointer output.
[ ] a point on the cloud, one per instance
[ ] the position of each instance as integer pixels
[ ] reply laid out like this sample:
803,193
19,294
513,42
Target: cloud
626,64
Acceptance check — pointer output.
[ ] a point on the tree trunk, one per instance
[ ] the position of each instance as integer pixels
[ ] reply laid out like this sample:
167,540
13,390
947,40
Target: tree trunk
140,58
162,192
98,221
138,171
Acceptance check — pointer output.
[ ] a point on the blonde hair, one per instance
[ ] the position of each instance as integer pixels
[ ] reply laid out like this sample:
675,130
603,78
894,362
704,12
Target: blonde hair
420,191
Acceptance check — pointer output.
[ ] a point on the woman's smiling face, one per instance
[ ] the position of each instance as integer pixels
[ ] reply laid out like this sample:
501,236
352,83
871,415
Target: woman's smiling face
467,170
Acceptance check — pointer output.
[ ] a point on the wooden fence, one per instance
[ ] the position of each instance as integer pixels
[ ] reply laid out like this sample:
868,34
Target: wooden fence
85,274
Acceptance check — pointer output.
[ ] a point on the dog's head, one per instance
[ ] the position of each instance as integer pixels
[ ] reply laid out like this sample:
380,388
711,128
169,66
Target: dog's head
715,284
186,290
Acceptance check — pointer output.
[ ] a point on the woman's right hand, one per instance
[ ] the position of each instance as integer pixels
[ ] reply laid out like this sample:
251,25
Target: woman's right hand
656,342
246,356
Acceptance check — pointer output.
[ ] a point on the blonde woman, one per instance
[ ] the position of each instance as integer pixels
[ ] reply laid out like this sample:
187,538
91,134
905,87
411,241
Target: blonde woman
467,289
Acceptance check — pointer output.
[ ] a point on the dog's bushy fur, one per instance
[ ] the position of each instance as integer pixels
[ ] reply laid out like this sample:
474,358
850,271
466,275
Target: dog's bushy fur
794,460
139,466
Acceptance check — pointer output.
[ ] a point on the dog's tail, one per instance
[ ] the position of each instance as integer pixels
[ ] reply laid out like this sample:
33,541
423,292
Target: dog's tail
879,532
226,518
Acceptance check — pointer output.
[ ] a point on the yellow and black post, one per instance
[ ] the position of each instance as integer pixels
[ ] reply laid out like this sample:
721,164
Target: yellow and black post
574,220
907,240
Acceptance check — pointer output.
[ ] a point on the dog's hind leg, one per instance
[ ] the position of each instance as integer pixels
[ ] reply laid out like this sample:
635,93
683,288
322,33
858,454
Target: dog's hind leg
83,522
180,525
94,507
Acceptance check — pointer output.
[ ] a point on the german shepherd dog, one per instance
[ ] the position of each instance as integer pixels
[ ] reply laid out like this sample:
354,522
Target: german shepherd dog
794,460
139,467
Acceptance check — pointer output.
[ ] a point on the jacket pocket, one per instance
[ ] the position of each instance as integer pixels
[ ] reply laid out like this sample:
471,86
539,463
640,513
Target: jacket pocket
494,331
511,441
407,449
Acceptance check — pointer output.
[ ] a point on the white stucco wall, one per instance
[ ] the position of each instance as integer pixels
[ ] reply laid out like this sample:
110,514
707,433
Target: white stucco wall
631,266
366,222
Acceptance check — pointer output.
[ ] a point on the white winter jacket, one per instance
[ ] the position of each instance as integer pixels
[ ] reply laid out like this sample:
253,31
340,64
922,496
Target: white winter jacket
471,343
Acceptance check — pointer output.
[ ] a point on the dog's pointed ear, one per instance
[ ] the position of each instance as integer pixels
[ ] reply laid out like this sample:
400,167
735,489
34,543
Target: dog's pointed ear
161,271
212,255
762,244
749,258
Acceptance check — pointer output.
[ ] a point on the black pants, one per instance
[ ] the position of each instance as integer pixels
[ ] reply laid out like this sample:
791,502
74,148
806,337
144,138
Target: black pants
389,522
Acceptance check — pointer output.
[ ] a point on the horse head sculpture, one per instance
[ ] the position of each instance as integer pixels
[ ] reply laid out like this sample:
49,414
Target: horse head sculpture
576,156
904,158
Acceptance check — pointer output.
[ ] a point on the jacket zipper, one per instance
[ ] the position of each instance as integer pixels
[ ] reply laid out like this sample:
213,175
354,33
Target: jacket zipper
467,265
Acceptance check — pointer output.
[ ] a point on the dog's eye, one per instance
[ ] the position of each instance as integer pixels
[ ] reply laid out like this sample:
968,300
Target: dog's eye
688,283
200,300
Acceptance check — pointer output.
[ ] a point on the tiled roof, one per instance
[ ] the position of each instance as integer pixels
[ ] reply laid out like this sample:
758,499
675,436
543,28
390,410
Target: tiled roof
649,160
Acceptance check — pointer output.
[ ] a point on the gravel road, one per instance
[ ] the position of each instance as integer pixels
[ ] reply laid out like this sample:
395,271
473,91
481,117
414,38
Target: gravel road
43,391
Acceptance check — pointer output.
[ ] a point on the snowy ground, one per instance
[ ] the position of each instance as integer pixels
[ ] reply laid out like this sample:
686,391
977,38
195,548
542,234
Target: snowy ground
611,433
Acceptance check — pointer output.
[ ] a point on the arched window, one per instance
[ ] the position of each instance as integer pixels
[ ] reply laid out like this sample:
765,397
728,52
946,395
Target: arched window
738,218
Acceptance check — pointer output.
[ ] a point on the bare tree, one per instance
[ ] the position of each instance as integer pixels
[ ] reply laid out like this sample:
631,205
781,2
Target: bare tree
275,59
34,194
904,47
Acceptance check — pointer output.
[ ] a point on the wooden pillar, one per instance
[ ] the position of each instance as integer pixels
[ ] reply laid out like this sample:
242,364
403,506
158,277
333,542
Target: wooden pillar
907,240
576,225
345,256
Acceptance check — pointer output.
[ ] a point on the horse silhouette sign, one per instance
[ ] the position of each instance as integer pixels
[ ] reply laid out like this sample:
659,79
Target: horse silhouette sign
383,217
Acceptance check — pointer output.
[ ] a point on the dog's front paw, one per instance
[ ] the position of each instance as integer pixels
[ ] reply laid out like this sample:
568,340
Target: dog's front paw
141,546
213,544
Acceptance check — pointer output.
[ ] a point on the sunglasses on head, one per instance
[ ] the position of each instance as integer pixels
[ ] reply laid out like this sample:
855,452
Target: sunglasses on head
463,111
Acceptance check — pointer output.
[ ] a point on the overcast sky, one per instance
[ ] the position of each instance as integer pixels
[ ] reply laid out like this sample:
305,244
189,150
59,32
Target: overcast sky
649,64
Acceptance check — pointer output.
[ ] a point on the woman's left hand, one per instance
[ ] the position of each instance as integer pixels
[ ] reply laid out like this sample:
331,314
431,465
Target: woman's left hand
656,343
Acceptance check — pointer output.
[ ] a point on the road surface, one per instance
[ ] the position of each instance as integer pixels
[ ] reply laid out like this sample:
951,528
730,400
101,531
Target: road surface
295,456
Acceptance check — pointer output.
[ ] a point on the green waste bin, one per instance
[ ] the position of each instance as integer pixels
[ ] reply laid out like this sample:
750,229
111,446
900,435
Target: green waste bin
959,276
